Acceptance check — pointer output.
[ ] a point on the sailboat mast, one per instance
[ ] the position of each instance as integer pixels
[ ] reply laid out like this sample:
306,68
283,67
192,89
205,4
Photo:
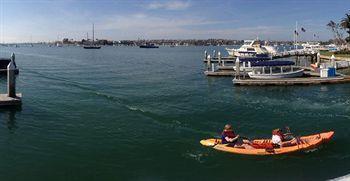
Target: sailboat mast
296,34
93,33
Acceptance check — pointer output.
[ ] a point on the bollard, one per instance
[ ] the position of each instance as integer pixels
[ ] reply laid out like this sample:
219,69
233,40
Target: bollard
11,79
219,58
237,68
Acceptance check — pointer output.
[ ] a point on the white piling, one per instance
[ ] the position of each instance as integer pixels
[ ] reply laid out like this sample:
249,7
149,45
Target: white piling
237,68
212,67
318,59
219,58
333,61
208,62
11,79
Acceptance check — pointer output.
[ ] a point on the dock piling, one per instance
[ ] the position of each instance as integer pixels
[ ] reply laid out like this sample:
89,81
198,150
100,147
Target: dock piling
318,59
11,79
208,62
333,61
205,55
11,98
237,68
219,56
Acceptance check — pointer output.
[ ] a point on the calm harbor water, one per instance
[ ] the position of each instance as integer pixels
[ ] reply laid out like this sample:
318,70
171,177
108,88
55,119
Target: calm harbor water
123,113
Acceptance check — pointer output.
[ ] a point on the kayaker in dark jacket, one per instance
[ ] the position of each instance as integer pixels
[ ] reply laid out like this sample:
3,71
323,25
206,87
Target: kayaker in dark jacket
228,136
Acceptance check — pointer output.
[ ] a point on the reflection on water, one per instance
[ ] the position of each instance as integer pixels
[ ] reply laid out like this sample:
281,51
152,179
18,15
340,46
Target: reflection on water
9,117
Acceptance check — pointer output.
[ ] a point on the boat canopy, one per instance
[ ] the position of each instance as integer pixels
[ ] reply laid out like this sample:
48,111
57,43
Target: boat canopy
271,63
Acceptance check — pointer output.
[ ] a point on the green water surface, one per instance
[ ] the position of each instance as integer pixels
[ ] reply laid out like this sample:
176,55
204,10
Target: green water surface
125,113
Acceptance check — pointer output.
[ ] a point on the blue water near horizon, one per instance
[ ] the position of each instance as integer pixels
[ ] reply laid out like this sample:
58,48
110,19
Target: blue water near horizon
125,113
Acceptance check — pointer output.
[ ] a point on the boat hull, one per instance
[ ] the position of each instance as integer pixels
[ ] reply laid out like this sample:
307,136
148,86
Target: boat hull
148,46
293,74
306,143
92,47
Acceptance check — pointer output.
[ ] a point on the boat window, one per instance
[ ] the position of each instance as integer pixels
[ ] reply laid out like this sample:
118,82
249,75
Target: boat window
267,70
276,69
287,69
250,49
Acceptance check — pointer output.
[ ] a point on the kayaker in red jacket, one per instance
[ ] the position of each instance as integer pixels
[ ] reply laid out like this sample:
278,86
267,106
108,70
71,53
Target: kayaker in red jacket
228,136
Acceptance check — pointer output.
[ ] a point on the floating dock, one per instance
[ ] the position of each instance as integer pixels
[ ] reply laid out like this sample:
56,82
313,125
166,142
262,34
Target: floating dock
11,98
6,101
292,81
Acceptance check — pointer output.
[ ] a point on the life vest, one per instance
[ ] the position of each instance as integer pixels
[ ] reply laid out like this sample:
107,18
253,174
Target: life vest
225,134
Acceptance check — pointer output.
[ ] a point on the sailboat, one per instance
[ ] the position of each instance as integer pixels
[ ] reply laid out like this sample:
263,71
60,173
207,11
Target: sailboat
92,46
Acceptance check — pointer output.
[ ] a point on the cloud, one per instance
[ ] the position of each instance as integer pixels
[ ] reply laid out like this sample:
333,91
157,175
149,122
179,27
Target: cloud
157,27
144,22
171,5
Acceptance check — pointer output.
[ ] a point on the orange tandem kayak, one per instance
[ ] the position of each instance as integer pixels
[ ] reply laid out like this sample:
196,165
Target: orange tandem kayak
304,143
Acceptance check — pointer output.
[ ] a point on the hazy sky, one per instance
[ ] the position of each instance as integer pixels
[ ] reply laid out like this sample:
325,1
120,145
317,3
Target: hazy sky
48,20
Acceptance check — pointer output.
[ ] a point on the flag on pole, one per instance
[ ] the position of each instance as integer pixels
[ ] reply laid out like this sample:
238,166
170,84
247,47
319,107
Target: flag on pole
302,29
296,33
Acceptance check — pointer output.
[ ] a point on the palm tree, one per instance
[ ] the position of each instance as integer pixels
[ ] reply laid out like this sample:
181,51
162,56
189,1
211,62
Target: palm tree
335,28
345,24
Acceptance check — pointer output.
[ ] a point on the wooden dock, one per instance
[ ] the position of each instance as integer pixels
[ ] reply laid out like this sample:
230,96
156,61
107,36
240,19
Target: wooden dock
6,101
292,81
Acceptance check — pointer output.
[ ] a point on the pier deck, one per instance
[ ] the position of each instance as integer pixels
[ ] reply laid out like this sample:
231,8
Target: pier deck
6,101
293,81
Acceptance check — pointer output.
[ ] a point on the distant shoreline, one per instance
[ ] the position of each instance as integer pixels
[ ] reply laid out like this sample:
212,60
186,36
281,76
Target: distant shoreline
161,42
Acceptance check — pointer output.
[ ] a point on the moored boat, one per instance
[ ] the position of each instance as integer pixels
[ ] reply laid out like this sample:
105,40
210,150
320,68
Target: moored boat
93,45
250,50
304,143
275,70
149,45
